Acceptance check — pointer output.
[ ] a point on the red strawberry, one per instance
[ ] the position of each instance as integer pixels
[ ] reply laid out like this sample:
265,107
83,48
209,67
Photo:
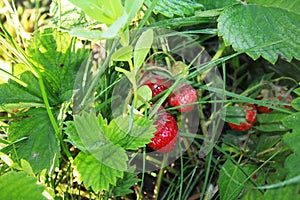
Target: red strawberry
262,109
165,137
157,84
242,127
251,114
184,94
251,118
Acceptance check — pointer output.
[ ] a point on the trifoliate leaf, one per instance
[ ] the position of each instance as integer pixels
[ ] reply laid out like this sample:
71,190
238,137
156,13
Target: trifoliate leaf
95,174
262,29
41,148
18,185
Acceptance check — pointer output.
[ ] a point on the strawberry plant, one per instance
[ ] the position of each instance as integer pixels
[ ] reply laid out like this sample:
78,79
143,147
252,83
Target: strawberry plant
149,99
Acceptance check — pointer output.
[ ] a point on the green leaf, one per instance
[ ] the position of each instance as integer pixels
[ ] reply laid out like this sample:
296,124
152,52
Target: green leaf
169,8
16,96
123,54
98,144
142,48
283,193
130,134
292,6
123,184
292,121
271,122
297,91
145,95
267,30
296,103
292,161
113,30
58,61
73,136
94,173
104,11
216,4
139,131
230,181
41,148
18,185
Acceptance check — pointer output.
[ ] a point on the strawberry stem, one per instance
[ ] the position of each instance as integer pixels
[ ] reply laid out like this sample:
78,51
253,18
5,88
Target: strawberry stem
160,176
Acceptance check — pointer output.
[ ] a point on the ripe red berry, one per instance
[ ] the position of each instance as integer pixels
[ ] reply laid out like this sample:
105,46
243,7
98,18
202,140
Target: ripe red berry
262,109
251,114
251,118
241,127
166,134
157,84
183,95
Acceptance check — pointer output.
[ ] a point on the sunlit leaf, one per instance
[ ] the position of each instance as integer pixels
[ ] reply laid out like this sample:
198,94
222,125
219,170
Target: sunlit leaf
18,185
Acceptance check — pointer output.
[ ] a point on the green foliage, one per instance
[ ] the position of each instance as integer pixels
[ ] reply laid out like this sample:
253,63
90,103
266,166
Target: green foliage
291,139
18,185
172,8
20,93
104,11
41,147
112,13
231,181
271,122
267,30
106,150
123,185
94,173
56,57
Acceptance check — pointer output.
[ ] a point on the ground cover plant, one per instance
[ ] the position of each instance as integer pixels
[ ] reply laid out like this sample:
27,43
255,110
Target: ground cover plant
149,99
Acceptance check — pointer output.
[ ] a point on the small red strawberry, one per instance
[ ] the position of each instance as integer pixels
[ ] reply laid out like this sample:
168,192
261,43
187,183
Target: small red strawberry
183,95
242,127
262,109
157,84
166,134
251,114
251,118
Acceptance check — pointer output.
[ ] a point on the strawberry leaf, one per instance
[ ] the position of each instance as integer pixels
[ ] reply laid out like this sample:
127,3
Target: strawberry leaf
271,122
18,185
100,146
170,8
291,139
94,173
21,94
275,22
58,61
123,184
230,181
41,148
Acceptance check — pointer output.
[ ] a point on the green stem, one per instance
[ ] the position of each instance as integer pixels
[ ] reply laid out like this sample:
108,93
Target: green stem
44,94
160,176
